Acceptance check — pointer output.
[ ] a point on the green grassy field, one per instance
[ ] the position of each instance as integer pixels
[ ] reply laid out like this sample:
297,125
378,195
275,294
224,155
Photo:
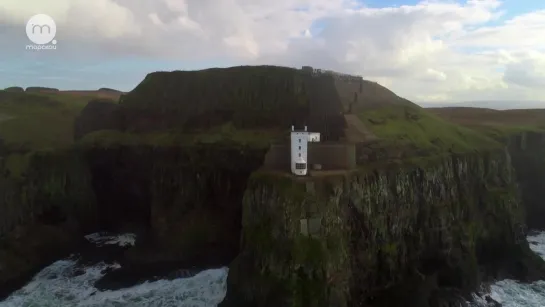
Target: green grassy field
221,134
494,123
422,132
46,121
38,121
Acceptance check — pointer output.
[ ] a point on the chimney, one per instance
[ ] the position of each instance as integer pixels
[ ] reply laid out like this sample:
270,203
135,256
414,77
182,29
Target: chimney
305,128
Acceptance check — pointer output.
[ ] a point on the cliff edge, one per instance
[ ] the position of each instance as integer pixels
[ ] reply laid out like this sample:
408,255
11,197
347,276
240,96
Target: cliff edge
426,208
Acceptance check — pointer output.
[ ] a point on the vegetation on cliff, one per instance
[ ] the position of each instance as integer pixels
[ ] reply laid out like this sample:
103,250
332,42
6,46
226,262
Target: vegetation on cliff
16,89
249,97
37,120
381,238
497,124
173,157
40,89
421,133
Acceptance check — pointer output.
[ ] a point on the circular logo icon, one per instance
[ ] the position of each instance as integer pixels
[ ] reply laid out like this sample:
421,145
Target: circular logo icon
41,29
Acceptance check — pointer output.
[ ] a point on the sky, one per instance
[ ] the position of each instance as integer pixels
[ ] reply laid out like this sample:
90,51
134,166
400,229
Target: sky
427,51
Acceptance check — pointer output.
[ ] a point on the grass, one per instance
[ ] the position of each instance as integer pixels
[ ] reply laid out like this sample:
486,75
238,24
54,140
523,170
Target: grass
221,134
38,121
422,133
494,123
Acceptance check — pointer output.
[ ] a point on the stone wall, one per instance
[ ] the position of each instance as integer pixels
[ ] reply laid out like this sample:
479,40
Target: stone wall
331,156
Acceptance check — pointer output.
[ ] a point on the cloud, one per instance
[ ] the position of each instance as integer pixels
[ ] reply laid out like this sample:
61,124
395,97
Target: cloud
435,50
526,70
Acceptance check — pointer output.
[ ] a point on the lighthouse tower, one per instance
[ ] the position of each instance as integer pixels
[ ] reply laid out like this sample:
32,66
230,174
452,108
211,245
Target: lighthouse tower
299,149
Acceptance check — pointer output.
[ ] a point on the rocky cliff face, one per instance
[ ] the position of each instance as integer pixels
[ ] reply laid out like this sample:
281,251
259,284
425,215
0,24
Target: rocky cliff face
46,203
187,198
381,238
185,201
528,152
251,97
48,187
345,239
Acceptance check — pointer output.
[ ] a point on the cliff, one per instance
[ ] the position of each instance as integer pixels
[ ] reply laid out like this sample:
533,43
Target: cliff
258,97
528,152
43,184
523,133
250,97
433,208
46,203
395,237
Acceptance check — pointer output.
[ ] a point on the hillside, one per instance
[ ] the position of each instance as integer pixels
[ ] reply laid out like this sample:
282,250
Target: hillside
410,131
39,120
488,104
258,105
494,122
359,96
248,97
246,104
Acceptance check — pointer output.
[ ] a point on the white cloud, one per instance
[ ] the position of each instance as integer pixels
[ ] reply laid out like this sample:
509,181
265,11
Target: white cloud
436,50
527,70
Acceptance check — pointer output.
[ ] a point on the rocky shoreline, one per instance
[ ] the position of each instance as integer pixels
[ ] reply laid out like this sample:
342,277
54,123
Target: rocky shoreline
422,223
269,210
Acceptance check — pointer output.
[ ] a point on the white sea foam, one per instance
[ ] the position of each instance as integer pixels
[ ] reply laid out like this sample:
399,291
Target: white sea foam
61,285
514,294
57,285
101,239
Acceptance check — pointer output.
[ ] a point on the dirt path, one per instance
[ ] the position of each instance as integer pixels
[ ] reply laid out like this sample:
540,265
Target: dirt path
356,131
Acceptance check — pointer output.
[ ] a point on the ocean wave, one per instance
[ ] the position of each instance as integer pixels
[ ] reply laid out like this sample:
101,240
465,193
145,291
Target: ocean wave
64,284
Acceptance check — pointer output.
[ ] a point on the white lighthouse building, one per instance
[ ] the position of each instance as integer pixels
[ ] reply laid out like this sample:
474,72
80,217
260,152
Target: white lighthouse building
299,149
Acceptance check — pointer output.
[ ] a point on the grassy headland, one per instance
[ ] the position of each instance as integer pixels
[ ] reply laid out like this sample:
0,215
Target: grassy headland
494,123
39,120
256,106
422,132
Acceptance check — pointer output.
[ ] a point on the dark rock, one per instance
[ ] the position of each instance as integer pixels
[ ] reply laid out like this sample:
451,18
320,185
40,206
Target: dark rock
527,151
131,275
26,250
248,97
491,302
379,238
99,114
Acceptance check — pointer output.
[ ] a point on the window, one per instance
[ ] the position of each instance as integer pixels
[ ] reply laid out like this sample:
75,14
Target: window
300,166
299,155
299,140
299,147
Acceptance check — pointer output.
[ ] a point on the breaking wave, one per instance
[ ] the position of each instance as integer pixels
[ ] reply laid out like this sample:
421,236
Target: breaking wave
65,283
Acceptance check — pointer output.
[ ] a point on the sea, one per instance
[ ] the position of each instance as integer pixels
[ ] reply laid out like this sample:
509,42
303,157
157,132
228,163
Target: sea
57,285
